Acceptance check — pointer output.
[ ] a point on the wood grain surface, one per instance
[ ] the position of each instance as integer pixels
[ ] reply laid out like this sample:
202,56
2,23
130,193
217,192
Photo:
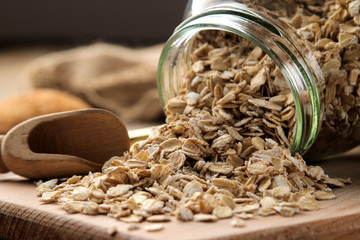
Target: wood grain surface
64,144
23,217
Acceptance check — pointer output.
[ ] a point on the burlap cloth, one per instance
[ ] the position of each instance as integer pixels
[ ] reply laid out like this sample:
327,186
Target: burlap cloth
120,79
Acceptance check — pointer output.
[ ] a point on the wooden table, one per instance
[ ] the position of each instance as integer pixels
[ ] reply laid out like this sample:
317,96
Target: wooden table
23,217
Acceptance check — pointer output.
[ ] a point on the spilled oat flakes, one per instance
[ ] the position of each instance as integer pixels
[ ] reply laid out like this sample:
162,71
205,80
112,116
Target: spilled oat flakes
223,152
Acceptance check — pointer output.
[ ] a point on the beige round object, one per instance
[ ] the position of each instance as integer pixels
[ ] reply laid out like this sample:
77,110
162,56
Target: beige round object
35,103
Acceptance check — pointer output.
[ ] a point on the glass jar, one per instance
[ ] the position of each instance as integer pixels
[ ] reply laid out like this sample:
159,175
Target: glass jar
314,43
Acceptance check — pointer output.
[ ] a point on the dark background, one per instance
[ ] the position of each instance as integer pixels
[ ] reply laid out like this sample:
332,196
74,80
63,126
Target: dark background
137,22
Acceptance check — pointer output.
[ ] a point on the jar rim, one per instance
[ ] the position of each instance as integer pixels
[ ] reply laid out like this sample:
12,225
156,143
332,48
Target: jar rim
302,73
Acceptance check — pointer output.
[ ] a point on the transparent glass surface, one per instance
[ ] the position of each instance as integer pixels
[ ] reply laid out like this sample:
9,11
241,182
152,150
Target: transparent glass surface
271,26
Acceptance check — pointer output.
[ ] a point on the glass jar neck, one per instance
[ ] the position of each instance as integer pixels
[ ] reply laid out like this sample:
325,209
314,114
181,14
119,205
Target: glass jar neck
299,68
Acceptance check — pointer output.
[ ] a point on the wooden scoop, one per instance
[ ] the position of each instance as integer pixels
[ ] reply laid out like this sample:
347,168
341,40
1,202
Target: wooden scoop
63,144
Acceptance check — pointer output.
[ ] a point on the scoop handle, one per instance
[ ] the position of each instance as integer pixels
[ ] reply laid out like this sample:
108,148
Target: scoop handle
3,168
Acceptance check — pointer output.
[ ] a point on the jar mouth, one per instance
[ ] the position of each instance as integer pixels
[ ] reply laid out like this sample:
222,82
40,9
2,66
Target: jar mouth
300,70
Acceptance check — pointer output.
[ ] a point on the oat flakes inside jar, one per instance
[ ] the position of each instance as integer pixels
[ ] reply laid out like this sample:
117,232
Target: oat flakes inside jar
287,70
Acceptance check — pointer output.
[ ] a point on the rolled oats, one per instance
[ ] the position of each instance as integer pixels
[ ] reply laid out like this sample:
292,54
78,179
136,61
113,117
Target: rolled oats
244,215
185,214
90,208
266,211
132,219
237,222
201,217
282,192
73,207
80,194
223,151
154,227
222,212
158,218
268,202
152,205
308,203
50,196
247,208
322,195
192,187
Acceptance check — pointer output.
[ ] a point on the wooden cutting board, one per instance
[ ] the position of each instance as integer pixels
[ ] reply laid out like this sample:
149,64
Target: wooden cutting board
23,217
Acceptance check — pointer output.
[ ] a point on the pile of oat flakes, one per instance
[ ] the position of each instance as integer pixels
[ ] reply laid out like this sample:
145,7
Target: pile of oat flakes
223,152
332,30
